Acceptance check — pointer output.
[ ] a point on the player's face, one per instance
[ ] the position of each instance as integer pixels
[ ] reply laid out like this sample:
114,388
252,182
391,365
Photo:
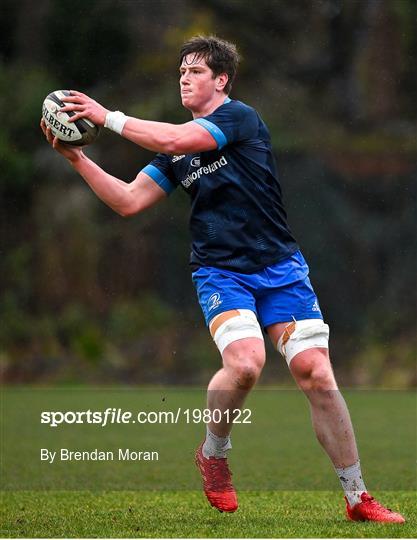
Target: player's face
197,85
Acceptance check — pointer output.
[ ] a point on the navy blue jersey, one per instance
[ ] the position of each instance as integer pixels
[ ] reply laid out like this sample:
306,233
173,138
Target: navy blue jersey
237,220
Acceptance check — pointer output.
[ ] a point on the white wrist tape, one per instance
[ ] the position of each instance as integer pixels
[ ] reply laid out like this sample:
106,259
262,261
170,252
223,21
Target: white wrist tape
115,120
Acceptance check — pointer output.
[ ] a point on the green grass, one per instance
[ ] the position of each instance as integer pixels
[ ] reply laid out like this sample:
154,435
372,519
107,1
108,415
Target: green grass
286,485
186,514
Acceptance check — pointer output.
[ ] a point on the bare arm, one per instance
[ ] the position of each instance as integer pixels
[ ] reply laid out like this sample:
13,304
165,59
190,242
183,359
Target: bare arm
125,199
185,138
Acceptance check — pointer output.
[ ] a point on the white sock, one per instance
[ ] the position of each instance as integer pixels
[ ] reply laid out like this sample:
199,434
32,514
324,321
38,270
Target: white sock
215,446
352,483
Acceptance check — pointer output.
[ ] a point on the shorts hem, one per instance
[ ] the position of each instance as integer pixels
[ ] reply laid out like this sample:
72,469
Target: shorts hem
289,317
228,308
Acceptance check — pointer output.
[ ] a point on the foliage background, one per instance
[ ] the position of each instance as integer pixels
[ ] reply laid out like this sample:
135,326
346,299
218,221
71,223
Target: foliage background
86,296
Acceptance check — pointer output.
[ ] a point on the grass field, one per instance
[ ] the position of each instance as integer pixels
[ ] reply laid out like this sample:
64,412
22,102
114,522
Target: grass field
185,514
286,485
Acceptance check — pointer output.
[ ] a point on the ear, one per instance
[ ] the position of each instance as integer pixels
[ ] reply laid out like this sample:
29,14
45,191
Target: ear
221,81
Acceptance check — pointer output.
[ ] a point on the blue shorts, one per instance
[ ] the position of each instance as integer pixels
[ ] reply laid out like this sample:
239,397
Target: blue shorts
281,292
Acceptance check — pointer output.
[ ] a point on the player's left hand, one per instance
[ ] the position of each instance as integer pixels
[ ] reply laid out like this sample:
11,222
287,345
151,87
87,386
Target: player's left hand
84,107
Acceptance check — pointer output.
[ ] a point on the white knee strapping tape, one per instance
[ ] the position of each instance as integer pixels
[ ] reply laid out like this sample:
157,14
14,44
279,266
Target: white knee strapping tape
241,326
306,334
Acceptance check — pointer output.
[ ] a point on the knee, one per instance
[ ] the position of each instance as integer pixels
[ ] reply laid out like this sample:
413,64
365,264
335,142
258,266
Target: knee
245,362
313,372
246,374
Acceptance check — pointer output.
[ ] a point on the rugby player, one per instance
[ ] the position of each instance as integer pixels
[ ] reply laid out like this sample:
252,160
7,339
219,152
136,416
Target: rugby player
247,267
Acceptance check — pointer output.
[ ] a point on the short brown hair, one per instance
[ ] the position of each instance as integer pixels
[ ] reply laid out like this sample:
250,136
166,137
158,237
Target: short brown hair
221,56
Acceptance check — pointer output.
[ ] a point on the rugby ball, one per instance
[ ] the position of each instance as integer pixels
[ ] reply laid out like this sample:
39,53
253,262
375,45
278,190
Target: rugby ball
78,133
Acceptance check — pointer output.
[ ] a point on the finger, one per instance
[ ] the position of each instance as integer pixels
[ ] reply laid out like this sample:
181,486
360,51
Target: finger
73,99
76,93
72,108
49,135
77,116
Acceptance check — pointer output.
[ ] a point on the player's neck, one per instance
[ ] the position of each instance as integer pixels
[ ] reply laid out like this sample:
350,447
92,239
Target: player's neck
210,107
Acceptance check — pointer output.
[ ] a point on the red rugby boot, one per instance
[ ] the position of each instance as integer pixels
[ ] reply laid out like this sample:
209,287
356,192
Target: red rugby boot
217,481
371,510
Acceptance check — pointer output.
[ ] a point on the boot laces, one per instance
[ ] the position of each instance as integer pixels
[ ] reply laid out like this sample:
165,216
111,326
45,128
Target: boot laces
366,498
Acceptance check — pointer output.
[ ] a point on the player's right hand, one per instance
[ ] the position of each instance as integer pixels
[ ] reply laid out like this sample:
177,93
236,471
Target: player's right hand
71,153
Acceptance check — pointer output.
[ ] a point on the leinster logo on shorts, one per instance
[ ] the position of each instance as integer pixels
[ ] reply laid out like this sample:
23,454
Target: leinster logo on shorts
214,301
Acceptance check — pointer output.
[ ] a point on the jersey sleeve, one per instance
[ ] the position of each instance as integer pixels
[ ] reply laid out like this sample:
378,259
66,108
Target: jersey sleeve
160,170
231,123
